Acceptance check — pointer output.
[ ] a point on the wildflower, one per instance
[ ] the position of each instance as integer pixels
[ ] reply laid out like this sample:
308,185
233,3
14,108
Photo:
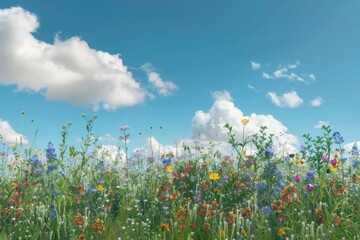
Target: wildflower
281,232
164,227
222,233
124,127
297,178
166,161
355,150
325,159
332,168
338,139
50,152
266,210
35,161
100,187
214,176
310,187
337,221
333,162
310,175
168,169
269,152
216,191
356,163
51,168
244,121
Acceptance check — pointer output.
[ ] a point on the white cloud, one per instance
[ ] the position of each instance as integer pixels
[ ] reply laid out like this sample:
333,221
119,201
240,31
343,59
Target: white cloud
255,66
209,125
251,86
321,123
289,99
316,102
267,76
163,87
154,148
107,138
9,135
280,73
67,70
287,72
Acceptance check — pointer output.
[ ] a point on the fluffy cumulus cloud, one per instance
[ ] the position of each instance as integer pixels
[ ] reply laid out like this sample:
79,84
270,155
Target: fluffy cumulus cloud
162,87
316,102
9,135
255,66
289,99
210,125
66,70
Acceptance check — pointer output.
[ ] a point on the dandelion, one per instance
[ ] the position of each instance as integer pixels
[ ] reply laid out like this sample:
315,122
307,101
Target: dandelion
164,227
214,176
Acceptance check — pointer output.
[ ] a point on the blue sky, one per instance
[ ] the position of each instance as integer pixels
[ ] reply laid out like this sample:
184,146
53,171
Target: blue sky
180,64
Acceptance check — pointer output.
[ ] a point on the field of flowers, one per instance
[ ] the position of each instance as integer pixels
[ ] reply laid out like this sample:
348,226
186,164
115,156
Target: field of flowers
69,193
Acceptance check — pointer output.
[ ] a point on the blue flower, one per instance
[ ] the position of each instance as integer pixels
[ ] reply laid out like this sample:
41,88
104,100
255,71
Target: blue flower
166,161
287,159
50,152
260,185
278,175
266,210
356,163
55,192
310,175
53,213
35,161
269,152
338,139
355,150
51,168
343,160
282,184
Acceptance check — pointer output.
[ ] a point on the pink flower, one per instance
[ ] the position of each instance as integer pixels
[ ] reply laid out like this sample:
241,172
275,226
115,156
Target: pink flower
325,159
297,178
333,162
309,187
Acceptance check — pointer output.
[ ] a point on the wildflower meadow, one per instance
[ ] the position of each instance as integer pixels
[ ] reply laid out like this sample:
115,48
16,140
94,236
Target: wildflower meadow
60,191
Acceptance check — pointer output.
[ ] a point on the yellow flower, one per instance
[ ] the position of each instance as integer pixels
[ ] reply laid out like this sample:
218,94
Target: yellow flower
281,232
100,187
12,144
244,121
169,168
214,176
336,154
333,168
222,233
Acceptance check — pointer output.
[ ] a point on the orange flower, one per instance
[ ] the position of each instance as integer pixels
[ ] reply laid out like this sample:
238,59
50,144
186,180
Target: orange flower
281,232
164,227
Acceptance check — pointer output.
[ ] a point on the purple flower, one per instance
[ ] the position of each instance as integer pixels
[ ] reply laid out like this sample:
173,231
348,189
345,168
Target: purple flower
333,162
297,178
325,159
310,187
